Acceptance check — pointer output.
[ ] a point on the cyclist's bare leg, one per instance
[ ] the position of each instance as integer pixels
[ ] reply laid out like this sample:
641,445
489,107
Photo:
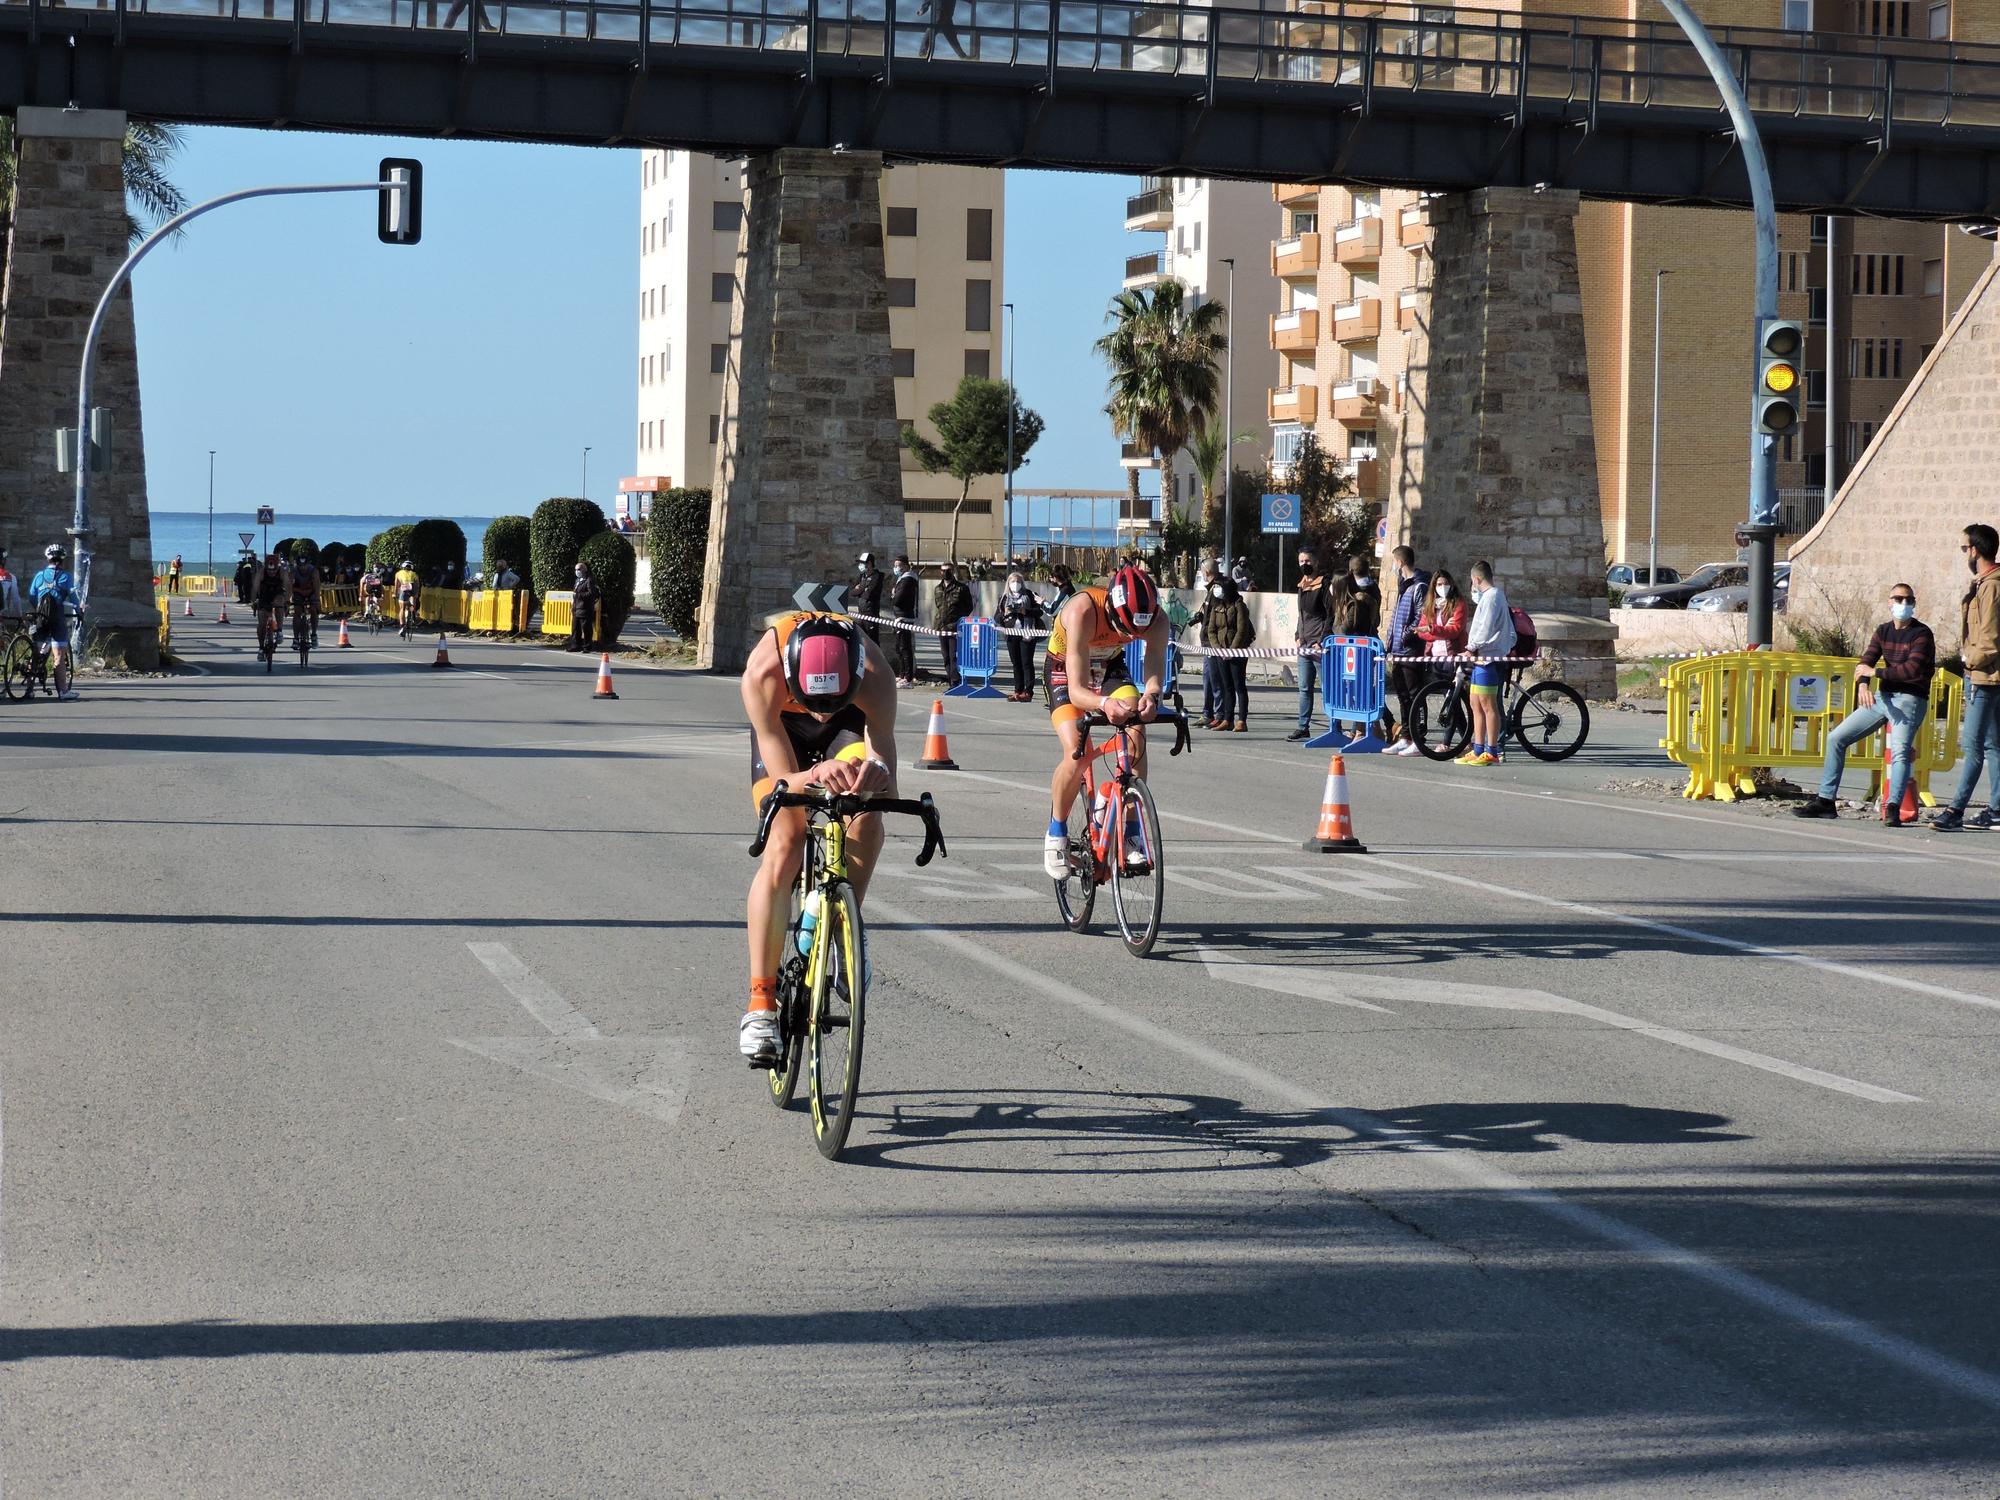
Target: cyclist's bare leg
1068,778
864,848
770,902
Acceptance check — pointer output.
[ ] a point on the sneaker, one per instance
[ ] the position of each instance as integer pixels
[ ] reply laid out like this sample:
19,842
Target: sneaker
1299,734
1488,759
757,1037
1984,818
1242,726
1407,747
1894,819
906,682
1470,758
1055,856
69,697
1816,807
1950,820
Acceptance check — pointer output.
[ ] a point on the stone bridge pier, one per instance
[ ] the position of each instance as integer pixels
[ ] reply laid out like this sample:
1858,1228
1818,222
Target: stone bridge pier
808,472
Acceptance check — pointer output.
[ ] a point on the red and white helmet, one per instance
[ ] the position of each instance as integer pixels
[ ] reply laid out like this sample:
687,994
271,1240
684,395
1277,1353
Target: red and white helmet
1131,601
824,661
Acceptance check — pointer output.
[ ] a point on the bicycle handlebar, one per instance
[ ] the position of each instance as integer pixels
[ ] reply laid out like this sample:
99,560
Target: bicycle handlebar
1176,716
847,805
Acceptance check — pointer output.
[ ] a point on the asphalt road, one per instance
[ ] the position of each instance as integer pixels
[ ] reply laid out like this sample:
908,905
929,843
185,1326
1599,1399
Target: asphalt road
373,1124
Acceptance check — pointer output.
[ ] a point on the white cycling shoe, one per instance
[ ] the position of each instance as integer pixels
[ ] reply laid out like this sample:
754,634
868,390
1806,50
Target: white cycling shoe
757,1037
1055,856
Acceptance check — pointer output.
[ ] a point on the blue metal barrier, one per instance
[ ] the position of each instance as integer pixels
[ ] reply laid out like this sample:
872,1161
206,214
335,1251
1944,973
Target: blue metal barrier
978,656
1135,663
1356,682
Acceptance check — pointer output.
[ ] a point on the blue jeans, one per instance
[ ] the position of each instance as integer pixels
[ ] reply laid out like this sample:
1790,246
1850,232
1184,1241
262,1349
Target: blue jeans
1980,740
1311,669
1903,713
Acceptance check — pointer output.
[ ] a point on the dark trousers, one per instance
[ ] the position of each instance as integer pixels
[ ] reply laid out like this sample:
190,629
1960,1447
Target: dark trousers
1208,688
903,652
582,627
873,631
948,649
1232,690
1406,680
1022,650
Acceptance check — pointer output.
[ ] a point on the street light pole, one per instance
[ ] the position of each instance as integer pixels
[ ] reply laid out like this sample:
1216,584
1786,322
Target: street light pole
211,512
1012,397
1653,525
1228,421
586,473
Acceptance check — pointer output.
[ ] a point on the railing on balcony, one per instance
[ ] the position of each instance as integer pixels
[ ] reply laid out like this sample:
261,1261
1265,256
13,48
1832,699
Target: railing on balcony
1413,226
1149,203
1297,256
1356,401
1295,331
1286,194
1132,456
1407,304
1143,270
1294,403
1368,478
1359,319
1358,240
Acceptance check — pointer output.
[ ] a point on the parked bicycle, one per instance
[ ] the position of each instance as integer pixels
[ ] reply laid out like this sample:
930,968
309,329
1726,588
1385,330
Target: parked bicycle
25,664
1549,720
1105,816
823,981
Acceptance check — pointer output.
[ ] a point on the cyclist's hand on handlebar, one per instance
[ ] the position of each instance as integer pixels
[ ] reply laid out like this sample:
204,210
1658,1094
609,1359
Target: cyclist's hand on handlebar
1149,708
1120,711
874,780
836,776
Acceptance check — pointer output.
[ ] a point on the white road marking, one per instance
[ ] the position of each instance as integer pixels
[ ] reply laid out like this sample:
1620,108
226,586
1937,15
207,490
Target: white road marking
1345,987
557,1015
1355,881
1940,1369
1214,880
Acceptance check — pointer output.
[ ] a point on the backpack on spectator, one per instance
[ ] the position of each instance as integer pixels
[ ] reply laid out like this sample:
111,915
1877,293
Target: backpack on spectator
1524,630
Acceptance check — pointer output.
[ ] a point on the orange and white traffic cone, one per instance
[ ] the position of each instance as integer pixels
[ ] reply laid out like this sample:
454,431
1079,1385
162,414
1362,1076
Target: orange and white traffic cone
222,617
1911,810
1336,822
187,609
344,641
937,751
443,658
604,677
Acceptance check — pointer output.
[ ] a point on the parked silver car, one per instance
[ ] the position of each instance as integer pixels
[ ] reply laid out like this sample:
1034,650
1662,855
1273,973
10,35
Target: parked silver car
1736,600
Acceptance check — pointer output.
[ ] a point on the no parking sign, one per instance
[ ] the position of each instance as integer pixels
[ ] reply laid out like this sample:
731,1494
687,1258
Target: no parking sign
1281,515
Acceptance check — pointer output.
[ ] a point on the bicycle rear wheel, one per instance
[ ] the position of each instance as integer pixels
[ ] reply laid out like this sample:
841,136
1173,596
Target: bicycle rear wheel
834,1028
1076,894
1551,721
1440,721
1139,888
17,668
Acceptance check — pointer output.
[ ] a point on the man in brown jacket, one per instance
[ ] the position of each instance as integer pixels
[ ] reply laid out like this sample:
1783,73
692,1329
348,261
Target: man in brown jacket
1979,648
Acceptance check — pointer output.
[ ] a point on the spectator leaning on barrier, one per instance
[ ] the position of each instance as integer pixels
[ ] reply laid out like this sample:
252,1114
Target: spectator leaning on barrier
1229,627
1020,609
1401,639
582,610
1491,636
1979,648
1901,659
868,585
903,605
1315,624
951,603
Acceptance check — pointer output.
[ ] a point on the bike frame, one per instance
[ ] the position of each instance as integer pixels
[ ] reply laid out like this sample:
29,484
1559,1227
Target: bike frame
1107,822
824,868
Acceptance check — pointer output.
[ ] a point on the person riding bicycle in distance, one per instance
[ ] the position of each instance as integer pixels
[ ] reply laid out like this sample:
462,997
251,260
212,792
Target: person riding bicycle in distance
822,707
305,593
407,588
1086,673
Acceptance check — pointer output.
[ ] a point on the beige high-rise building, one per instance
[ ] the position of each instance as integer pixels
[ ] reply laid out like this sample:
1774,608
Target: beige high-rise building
943,235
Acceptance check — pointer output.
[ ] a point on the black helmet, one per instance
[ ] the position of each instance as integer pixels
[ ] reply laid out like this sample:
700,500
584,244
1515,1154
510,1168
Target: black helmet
824,660
54,552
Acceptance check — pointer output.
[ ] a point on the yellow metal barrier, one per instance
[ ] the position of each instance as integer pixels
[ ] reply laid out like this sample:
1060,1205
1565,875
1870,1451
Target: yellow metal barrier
166,624
492,609
442,606
1731,715
339,599
555,614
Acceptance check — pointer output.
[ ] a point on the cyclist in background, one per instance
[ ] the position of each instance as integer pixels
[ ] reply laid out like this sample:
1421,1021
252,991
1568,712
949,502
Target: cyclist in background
407,585
822,706
52,593
270,593
371,592
305,594
1086,673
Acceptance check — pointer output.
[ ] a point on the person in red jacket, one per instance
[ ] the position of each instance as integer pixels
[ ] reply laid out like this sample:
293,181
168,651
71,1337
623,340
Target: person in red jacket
1442,622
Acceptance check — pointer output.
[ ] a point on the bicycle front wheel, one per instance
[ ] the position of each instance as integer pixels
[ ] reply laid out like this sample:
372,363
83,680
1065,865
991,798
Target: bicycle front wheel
17,668
1440,722
833,1035
1139,877
1551,721
1076,893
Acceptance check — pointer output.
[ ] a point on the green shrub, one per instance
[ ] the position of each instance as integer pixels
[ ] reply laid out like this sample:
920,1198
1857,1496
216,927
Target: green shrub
677,538
1822,638
507,537
437,544
556,533
332,557
305,549
283,547
615,566
388,548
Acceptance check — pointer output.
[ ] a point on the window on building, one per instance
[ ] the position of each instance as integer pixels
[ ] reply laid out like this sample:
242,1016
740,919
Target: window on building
721,286
903,362
1180,239
1853,447
1820,225
1285,443
979,362
902,223
1197,236
1924,352
1798,15
669,219
902,291
642,435
667,357
1940,24
1816,305
1304,223
1815,390
978,305
726,216
979,234
1933,278
718,358
714,428
1788,448
1896,359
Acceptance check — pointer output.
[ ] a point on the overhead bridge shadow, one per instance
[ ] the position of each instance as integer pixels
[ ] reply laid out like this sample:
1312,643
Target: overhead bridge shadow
265,746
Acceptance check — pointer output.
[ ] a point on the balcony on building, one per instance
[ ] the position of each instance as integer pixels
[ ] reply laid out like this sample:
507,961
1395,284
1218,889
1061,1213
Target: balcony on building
1368,478
1151,208
1358,242
1357,321
1144,270
1295,332
1295,403
1296,257
1413,226
1131,456
1294,194
1407,303
1355,402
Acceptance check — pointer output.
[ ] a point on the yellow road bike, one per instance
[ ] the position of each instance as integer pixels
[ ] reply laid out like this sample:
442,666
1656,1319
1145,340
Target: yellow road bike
823,979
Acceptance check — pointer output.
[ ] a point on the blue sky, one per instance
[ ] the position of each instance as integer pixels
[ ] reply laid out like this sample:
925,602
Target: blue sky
464,376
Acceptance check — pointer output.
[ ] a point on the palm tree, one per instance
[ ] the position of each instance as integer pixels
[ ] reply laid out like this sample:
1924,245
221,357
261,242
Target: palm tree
1163,351
150,198
1208,448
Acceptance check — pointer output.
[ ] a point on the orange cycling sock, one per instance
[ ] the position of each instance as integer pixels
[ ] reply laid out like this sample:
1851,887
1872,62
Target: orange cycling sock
763,994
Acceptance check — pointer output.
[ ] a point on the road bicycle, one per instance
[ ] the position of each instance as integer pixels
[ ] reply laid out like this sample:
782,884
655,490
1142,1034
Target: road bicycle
823,981
1549,720
1114,835
25,666
371,615
406,616
270,635
301,630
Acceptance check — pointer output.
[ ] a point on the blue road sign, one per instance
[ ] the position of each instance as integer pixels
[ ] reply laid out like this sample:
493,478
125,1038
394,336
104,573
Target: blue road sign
1281,515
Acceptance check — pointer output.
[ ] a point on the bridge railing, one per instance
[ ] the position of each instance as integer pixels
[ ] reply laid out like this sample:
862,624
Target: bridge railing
1381,49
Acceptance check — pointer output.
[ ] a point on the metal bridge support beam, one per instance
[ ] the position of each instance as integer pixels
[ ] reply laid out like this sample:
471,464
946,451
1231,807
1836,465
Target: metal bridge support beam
1496,448
808,471
67,239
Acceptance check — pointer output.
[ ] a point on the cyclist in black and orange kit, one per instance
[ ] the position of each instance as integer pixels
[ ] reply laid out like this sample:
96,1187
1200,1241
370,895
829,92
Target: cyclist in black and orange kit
1086,673
822,706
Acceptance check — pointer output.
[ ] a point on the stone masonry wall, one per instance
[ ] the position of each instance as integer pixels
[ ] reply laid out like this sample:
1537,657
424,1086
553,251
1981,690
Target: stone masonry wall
1497,457
68,238
1933,470
807,470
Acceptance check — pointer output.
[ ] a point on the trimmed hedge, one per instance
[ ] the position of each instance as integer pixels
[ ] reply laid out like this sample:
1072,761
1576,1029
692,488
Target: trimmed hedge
282,547
556,533
435,544
332,557
615,566
388,548
507,538
677,538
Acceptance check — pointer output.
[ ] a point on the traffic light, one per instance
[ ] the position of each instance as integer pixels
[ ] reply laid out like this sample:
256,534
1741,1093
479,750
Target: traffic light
1781,346
399,218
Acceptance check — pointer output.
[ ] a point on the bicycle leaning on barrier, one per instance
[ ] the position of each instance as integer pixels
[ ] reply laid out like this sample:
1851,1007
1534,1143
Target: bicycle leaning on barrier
1549,720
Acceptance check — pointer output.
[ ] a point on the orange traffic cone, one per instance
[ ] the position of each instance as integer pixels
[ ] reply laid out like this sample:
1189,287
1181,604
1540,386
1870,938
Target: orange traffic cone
222,618
1336,823
187,609
1911,811
937,751
443,658
604,677
344,641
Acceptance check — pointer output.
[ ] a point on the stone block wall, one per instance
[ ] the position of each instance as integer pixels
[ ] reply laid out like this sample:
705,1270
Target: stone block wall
67,239
807,470
1933,469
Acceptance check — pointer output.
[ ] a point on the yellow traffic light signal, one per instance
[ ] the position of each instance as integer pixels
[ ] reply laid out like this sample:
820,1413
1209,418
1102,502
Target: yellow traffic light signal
1780,345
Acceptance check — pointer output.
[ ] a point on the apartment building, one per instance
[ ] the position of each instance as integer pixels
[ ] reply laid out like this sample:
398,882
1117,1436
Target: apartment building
1206,224
943,233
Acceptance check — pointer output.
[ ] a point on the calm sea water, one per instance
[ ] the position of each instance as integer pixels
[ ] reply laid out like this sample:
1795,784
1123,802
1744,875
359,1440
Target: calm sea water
186,532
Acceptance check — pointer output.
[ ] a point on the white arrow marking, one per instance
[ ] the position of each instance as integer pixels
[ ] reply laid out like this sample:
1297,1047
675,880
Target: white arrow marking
802,596
836,597
1336,987
648,1074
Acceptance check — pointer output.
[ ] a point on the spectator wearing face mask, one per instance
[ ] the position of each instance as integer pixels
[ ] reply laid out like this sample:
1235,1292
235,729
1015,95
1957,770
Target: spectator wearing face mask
1979,649
868,585
950,603
1020,609
582,610
1211,573
903,606
1357,603
1491,636
1892,685
1229,626
1315,625
1406,678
